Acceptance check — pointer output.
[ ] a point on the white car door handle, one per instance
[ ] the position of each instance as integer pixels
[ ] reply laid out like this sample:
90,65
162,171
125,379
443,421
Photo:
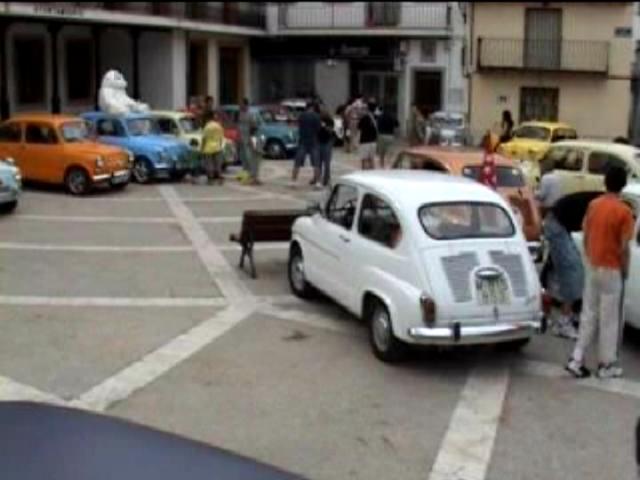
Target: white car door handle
344,238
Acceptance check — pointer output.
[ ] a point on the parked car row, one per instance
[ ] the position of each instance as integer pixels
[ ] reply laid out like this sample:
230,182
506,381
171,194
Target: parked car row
99,149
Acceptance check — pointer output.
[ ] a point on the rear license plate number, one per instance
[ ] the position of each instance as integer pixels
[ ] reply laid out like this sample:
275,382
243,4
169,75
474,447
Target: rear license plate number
493,292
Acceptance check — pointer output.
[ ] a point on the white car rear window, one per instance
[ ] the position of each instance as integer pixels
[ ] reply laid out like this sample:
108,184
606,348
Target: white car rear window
460,220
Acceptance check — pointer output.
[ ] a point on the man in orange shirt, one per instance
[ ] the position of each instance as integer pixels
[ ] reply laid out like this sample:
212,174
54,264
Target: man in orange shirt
607,227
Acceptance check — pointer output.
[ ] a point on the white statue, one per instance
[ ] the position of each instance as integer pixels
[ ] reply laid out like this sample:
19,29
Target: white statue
113,97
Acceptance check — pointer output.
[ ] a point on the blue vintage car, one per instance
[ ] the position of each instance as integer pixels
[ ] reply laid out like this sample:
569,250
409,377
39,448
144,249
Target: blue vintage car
277,139
155,156
10,185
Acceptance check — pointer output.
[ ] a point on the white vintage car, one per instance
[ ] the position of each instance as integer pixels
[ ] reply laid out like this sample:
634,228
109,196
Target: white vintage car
425,258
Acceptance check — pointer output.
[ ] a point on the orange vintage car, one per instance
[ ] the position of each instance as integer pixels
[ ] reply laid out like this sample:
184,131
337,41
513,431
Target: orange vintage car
57,149
468,162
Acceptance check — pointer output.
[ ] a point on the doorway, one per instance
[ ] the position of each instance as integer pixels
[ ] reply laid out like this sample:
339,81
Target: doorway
230,75
198,63
382,86
427,91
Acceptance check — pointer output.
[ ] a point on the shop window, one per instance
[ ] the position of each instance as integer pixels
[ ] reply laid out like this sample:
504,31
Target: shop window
30,73
79,69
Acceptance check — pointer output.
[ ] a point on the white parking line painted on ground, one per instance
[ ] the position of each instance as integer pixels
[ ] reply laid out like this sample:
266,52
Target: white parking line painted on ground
465,451
282,246
622,386
28,301
257,190
94,248
254,198
157,363
219,219
280,299
93,219
310,319
10,390
212,258
86,199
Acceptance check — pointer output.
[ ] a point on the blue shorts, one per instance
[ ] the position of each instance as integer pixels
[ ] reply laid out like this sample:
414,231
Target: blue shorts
303,151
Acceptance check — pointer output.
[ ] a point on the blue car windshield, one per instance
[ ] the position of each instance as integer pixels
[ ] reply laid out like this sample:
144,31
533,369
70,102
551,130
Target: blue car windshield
142,126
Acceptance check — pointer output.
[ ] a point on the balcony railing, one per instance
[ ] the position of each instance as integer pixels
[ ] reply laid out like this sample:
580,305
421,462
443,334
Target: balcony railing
371,15
586,56
241,14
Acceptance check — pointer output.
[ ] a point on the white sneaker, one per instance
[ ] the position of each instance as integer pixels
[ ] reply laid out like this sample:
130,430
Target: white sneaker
318,186
563,328
610,371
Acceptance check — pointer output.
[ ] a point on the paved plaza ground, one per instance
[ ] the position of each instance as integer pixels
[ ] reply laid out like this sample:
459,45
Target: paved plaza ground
130,303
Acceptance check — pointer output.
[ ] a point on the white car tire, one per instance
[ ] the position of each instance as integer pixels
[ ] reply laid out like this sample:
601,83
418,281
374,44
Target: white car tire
385,345
297,279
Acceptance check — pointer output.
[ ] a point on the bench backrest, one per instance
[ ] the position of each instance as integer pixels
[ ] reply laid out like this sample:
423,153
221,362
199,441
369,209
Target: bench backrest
268,225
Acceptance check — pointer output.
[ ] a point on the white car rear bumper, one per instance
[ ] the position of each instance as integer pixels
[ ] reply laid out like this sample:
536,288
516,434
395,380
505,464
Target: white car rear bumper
457,334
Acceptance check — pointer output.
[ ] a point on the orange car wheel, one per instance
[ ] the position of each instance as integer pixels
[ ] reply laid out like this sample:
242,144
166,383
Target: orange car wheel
77,181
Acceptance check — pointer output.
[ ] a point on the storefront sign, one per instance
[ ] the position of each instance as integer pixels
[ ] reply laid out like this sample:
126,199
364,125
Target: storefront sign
623,32
61,9
350,51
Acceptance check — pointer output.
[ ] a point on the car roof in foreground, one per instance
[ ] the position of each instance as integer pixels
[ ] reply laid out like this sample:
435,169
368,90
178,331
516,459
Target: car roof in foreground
74,444
44,117
539,123
619,148
463,155
414,188
170,113
126,116
632,188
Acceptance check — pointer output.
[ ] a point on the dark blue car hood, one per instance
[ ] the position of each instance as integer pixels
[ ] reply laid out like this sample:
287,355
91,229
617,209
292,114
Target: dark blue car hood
40,442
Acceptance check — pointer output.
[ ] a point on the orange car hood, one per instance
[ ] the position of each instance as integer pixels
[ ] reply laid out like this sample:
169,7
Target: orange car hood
92,148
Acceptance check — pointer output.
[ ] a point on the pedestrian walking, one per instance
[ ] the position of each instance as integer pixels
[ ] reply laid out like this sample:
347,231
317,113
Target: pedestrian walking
308,128
212,146
488,172
563,272
206,113
247,143
325,146
353,114
368,138
387,124
416,128
506,126
607,230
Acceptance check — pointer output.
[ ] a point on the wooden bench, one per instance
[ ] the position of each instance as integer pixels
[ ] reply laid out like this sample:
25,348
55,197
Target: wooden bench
263,226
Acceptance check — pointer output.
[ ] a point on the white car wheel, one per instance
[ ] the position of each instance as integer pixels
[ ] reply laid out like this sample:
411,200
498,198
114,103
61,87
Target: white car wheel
297,279
384,343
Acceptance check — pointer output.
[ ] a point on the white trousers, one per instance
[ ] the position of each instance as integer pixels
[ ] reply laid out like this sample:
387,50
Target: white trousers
600,314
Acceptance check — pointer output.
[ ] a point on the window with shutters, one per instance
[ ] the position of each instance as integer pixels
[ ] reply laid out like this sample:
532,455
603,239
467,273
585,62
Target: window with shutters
543,38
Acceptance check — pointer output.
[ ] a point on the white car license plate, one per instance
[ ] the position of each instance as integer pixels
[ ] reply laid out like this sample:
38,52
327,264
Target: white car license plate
493,292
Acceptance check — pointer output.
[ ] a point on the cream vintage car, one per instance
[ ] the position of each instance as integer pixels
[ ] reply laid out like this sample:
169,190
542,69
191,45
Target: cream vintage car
581,164
426,258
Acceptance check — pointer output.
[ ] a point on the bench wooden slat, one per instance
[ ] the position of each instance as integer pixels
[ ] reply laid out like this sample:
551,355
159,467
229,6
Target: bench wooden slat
264,226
